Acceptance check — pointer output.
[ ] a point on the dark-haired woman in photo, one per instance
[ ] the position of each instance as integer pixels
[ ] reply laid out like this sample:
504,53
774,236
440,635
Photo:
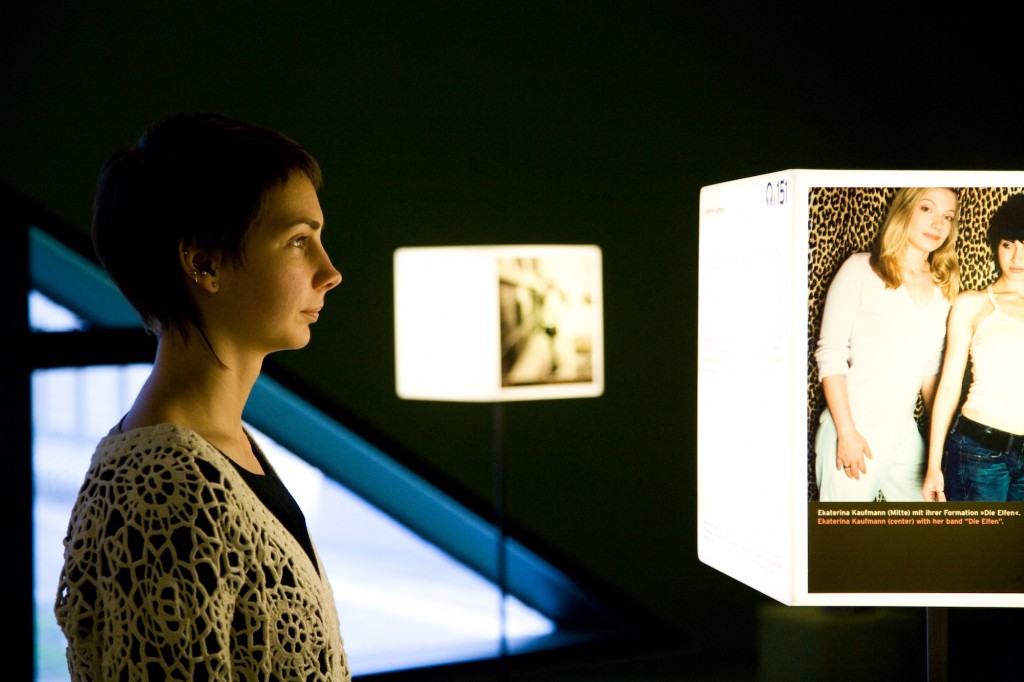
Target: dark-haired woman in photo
984,449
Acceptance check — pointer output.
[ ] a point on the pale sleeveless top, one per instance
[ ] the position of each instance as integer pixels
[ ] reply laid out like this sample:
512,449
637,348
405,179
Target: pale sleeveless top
996,395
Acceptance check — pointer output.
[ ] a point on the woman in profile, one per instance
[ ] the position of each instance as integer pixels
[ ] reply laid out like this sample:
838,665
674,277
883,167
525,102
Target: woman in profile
984,450
186,558
880,349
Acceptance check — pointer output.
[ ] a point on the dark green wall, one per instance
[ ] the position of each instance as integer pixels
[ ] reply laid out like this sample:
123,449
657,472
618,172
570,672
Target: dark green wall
496,122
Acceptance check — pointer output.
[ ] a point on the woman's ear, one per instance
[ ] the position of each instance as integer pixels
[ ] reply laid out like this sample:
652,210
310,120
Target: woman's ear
199,265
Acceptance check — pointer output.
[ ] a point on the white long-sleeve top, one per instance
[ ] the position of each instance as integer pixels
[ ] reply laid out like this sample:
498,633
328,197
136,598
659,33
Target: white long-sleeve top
881,339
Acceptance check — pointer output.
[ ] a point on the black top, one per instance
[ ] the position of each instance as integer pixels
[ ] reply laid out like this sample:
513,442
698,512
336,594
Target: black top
272,492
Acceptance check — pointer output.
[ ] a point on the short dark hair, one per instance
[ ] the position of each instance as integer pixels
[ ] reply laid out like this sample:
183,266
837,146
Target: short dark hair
198,178
1006,223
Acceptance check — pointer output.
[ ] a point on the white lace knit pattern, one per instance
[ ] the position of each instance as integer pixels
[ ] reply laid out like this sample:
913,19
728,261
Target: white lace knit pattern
174,569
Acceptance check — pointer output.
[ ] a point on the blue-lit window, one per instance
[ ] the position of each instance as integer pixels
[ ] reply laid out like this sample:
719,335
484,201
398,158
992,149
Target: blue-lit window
420,580
402,601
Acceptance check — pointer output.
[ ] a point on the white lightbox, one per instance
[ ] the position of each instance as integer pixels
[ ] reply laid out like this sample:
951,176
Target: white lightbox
769,247
498,323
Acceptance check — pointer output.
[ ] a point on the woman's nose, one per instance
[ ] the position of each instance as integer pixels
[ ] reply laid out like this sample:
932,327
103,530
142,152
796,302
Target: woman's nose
333,276
329,275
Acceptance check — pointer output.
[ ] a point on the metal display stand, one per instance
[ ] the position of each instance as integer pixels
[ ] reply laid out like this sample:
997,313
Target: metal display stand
937,635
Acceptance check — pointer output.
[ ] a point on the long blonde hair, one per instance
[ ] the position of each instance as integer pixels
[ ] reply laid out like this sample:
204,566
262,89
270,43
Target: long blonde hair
893,237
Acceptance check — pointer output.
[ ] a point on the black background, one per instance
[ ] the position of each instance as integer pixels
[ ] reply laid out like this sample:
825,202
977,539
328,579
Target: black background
557,122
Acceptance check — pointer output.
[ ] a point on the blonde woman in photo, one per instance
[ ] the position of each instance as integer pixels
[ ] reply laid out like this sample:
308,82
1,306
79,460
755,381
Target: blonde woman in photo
880,349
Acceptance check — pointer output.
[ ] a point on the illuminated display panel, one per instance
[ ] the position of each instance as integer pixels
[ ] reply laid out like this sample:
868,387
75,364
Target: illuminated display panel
769,246
498,323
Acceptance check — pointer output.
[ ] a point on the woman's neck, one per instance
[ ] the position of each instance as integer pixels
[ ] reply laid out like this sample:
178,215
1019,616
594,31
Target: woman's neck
190,389
188,386
1006,285
914,261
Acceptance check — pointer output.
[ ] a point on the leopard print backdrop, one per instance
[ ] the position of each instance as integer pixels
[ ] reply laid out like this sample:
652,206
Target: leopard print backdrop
845,220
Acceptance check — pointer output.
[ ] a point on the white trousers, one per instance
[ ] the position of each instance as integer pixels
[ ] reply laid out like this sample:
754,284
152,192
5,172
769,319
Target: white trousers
896,468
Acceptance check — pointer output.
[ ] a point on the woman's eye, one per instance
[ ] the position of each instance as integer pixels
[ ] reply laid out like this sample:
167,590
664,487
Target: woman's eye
299,241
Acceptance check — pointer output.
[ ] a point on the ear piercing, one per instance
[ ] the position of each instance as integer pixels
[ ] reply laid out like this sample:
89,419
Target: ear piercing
196,273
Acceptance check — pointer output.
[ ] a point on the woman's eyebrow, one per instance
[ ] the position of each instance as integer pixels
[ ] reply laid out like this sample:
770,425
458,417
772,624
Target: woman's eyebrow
312,223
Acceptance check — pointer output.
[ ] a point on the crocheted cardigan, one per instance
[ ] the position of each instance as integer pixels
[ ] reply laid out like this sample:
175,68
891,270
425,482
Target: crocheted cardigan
174,569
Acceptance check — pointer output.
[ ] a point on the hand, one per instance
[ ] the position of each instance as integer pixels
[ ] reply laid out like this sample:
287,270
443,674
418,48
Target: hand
934,487
851,452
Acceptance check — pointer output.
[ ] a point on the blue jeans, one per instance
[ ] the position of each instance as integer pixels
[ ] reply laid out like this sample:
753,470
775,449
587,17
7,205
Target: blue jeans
975,473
